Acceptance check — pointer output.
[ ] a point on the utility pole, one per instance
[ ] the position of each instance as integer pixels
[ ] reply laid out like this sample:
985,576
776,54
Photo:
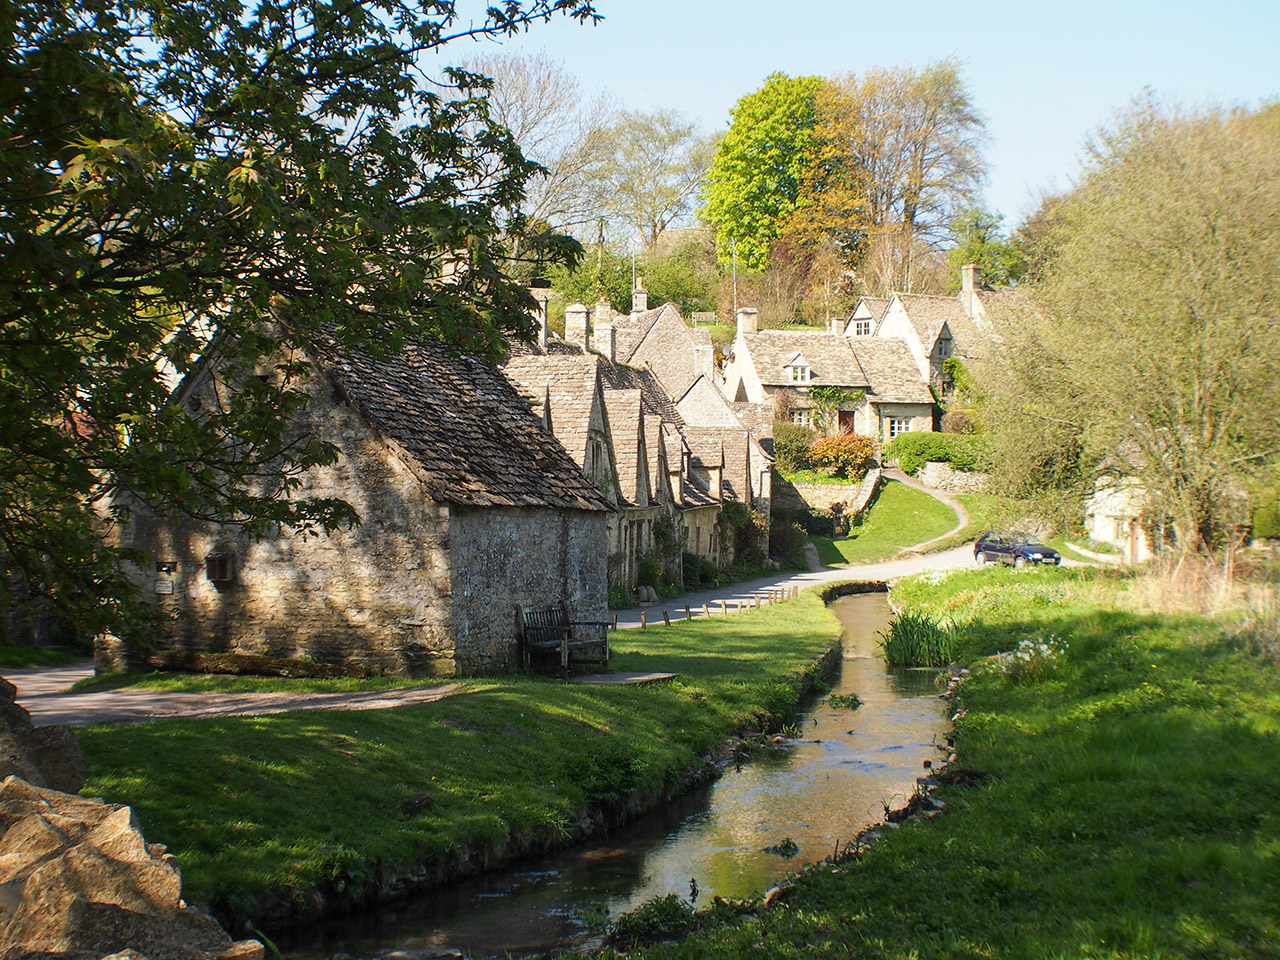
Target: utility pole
734,246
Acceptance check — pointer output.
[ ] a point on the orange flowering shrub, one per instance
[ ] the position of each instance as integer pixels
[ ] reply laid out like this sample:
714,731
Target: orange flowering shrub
845,455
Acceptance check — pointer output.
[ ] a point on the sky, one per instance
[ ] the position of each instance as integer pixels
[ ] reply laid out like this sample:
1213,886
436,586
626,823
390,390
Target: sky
1045,75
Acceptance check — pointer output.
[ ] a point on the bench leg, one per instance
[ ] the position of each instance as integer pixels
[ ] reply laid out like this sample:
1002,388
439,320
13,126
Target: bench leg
564,657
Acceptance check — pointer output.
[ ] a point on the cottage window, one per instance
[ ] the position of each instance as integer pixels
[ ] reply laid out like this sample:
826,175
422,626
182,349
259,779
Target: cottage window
862,328
803,418
218,568
800,373
899,425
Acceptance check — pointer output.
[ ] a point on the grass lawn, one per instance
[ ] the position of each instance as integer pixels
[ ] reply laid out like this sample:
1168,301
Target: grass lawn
900,517
1124,803
266,812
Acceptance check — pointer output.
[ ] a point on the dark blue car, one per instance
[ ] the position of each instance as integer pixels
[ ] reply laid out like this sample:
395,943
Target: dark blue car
998,546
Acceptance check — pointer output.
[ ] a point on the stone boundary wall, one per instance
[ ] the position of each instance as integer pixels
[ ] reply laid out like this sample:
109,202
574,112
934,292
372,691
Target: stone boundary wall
943,476
853,497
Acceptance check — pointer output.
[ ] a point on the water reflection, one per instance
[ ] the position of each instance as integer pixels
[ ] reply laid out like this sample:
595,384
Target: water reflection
819,790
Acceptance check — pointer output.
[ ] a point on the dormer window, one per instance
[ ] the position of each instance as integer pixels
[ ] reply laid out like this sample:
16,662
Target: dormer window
862,328
798,370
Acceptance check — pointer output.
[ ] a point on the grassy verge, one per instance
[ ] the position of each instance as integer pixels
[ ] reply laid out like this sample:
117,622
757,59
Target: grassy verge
986,512
18,656
1125,803
900,517
295,813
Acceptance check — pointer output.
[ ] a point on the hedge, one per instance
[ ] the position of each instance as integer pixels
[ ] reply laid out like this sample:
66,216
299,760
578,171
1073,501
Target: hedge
913,450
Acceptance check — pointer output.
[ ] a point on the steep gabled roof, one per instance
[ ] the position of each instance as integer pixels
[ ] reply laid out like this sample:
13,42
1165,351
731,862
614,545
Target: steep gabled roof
877,307
631,329
729,446
891,372
626,424
928,315
829,356
460,427
569,381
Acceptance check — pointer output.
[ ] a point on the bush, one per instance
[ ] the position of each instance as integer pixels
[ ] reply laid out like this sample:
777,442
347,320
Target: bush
791,444
656,919
914,450
845,455
699,572
1266,518
649,569
787,540
620,598
959,421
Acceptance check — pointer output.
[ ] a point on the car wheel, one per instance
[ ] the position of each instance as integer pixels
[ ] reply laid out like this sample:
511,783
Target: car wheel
1020,562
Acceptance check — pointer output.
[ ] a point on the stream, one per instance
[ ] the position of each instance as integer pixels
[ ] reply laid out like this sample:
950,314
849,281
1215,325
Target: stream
820,789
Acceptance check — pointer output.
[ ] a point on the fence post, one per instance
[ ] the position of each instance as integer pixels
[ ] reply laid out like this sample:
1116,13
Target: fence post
665,617
687,614
644,619
705,611
724,607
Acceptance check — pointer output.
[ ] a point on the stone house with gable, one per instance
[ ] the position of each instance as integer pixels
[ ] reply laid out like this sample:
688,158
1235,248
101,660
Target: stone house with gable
468,508
764,364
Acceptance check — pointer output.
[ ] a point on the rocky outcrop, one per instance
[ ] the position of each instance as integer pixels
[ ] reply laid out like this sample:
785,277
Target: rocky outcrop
45,756
77,880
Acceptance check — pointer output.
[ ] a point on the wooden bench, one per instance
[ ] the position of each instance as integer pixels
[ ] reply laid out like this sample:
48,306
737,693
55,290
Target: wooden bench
545,630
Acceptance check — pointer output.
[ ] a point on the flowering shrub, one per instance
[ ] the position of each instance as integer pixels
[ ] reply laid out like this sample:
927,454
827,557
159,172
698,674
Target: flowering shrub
1034,658
844,455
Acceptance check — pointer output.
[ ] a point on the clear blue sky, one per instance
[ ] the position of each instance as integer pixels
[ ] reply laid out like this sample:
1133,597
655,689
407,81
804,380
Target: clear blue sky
1044,74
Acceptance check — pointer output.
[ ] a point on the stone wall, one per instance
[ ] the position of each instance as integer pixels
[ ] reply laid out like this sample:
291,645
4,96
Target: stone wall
791,497
504,558
374,596
943,476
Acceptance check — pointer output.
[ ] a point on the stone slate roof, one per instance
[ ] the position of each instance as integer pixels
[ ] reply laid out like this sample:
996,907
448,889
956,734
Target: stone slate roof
876,306
756,417
890,370
928,314
711,445
632,328
695,496
460,427
569,381
618,376
830,358
625,410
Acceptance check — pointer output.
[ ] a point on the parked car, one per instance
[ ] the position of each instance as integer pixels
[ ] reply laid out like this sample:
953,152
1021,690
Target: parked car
999,546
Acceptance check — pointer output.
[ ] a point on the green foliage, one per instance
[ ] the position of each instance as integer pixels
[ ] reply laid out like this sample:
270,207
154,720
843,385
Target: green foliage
914,450
791,443
827,402
747,530
850,701
846,455
787,540
622,598
963,382
754,181
699,573
1266,516
661,918
978,238
267,172
686,276
915,639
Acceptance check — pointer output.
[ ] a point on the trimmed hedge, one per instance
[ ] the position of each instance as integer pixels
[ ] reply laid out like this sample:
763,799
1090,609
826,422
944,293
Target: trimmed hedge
914,450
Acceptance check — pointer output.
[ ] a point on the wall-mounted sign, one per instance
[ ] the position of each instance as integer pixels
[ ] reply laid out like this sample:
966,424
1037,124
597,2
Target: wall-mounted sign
164,586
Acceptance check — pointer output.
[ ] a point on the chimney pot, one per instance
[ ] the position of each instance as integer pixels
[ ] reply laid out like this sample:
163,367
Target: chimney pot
748,320
639,297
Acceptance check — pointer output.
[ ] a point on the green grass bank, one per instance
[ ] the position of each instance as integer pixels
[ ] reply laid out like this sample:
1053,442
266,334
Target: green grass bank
900,516
280,817
1122,805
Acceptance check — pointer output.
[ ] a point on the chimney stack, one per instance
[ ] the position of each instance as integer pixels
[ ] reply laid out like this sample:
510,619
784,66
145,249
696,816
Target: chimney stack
970,281
704,361
606,337
575,325
836,325
542,295
748,320
639,297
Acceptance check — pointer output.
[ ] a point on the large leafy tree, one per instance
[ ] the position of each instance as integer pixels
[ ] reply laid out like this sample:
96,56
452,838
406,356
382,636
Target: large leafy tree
753,185
1152,354
979,239
177,175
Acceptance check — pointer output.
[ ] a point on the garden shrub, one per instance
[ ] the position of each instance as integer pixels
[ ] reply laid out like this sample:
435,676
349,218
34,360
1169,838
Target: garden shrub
699,572
787,540
845,455
956,420
1266,518
913,450
791,444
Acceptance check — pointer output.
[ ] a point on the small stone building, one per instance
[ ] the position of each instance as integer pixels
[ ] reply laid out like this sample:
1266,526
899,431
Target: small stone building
469,508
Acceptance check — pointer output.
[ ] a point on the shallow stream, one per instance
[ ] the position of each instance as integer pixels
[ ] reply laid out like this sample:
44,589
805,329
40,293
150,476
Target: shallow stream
819,789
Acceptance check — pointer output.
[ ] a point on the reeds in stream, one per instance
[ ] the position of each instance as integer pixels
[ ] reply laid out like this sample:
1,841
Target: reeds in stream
915,639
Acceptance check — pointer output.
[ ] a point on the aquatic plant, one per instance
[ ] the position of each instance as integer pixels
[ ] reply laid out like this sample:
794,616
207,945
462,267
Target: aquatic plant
915,639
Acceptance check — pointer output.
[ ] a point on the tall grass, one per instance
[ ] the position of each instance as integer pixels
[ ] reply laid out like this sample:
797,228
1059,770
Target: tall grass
915,639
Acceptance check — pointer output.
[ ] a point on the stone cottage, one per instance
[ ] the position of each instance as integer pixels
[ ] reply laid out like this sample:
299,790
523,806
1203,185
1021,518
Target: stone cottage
469,508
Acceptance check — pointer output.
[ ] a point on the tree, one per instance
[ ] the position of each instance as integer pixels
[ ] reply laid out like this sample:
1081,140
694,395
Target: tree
978,239
648,167
1152,353
235,179
754,181
897,153
548,114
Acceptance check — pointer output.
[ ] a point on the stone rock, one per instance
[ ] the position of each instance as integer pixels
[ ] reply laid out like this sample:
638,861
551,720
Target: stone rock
78,881
44,756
